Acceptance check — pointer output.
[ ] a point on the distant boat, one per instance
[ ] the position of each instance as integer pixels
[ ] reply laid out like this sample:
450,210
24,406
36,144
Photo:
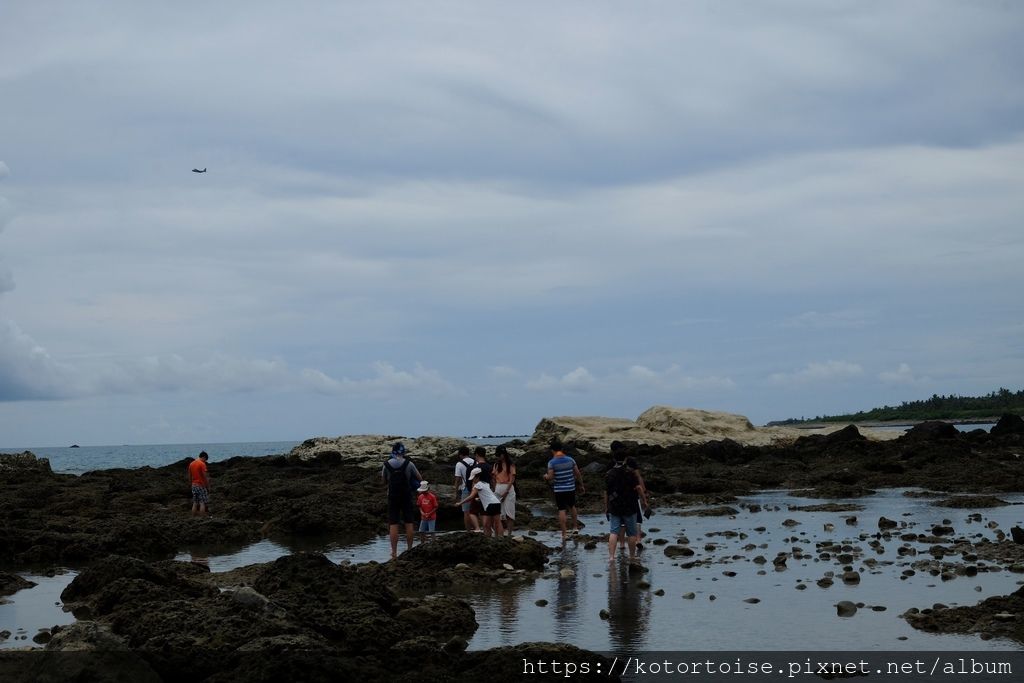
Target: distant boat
74,445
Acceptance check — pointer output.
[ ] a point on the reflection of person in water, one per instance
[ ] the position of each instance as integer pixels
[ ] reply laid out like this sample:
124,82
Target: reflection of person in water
629,612
567,595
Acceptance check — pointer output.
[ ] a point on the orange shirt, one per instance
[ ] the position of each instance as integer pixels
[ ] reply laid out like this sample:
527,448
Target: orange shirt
197,472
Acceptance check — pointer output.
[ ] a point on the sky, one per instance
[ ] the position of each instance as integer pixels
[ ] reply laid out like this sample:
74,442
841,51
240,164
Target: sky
462,217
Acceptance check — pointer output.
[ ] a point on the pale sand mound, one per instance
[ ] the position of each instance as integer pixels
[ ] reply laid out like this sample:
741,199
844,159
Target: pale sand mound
668,426
372,449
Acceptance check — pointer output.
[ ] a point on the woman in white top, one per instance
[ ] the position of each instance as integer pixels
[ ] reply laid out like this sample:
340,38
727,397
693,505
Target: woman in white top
490,501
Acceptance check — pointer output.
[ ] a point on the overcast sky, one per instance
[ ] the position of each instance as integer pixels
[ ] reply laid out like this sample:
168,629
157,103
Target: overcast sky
461,217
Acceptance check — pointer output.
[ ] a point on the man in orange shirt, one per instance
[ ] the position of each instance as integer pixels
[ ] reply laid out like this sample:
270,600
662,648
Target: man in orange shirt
200,481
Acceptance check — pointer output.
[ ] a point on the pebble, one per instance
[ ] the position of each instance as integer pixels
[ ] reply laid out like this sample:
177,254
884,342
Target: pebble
507,567
753,601
689,596
604,614
541,603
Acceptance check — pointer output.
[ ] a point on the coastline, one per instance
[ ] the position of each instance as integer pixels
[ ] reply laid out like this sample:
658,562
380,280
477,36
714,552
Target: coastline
120,529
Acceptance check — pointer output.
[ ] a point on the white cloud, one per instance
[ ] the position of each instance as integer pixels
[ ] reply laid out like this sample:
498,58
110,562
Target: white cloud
673,378
502,372
829,371
28,371
902,375
838,320
576,381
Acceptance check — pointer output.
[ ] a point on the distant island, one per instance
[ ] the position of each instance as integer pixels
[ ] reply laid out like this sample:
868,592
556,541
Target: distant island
952,407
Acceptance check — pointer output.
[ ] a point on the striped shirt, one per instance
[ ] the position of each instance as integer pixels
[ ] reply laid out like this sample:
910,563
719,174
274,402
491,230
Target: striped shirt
565,479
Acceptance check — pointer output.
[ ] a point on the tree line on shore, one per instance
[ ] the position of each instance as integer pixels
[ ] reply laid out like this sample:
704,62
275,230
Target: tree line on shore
951,407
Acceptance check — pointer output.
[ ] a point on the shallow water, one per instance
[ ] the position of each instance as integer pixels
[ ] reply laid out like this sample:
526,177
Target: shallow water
785,618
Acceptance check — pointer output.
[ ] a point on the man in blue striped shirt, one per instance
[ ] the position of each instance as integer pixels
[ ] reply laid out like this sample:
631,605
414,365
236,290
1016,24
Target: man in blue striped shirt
562,470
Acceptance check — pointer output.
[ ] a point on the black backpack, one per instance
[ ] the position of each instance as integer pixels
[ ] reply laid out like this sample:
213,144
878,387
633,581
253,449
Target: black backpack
469,468
398,480
622,496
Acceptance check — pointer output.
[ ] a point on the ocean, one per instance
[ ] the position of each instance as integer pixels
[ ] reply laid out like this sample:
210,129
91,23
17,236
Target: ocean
86,458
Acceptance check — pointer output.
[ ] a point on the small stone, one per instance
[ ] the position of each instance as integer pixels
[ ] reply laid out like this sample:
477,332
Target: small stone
541,603
851,577
566,573
461,565
507,567
604,614
659,592
686,596
1004,616
643,585
753,601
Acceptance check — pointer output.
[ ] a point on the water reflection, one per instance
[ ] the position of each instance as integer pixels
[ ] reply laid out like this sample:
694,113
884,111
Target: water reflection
568,586
629,610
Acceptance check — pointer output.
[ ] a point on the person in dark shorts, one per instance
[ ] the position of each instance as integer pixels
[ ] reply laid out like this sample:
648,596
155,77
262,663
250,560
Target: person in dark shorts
398,474
565,475
480,461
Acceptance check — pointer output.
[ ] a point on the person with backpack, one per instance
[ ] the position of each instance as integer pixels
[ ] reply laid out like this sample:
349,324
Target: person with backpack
399,475
463,466
623,491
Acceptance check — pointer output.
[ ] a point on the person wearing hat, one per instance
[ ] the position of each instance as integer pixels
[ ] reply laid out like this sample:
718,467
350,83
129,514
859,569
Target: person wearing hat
399,474
426,501
481,491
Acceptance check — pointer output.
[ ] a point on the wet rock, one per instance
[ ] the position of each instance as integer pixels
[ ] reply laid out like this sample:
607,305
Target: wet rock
851,577
604,614
885,523
720,511
12,583
42,637
845,608
930,431
689,596
541,603
1008,424
970,502
824,582
752,601
1017,534
673,551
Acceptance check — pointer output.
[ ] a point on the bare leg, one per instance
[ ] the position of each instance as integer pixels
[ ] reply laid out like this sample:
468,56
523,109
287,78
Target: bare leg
498,530
575,523
613,542
393,533
561,523
409,535
632,548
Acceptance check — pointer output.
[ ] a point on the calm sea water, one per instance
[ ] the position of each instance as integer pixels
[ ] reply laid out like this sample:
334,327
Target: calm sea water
87,458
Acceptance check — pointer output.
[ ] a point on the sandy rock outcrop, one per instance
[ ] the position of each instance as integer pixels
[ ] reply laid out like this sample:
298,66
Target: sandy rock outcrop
667,426
371,449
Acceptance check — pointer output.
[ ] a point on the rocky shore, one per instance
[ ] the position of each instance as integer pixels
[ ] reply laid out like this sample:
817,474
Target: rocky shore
122,527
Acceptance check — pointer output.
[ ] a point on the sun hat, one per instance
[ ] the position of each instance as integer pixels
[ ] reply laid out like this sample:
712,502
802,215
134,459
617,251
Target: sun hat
475,473
423,486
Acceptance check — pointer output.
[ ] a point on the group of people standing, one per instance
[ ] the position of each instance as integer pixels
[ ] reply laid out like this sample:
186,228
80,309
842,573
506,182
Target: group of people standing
486,493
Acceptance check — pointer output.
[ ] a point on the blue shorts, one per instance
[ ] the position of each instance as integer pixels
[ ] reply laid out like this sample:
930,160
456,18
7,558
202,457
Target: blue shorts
427,525
615,522
462,494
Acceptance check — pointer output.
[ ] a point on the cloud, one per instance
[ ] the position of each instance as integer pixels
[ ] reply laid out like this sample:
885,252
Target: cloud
829,371
673,378
502,372
830,320
29,372
902,375
576,381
